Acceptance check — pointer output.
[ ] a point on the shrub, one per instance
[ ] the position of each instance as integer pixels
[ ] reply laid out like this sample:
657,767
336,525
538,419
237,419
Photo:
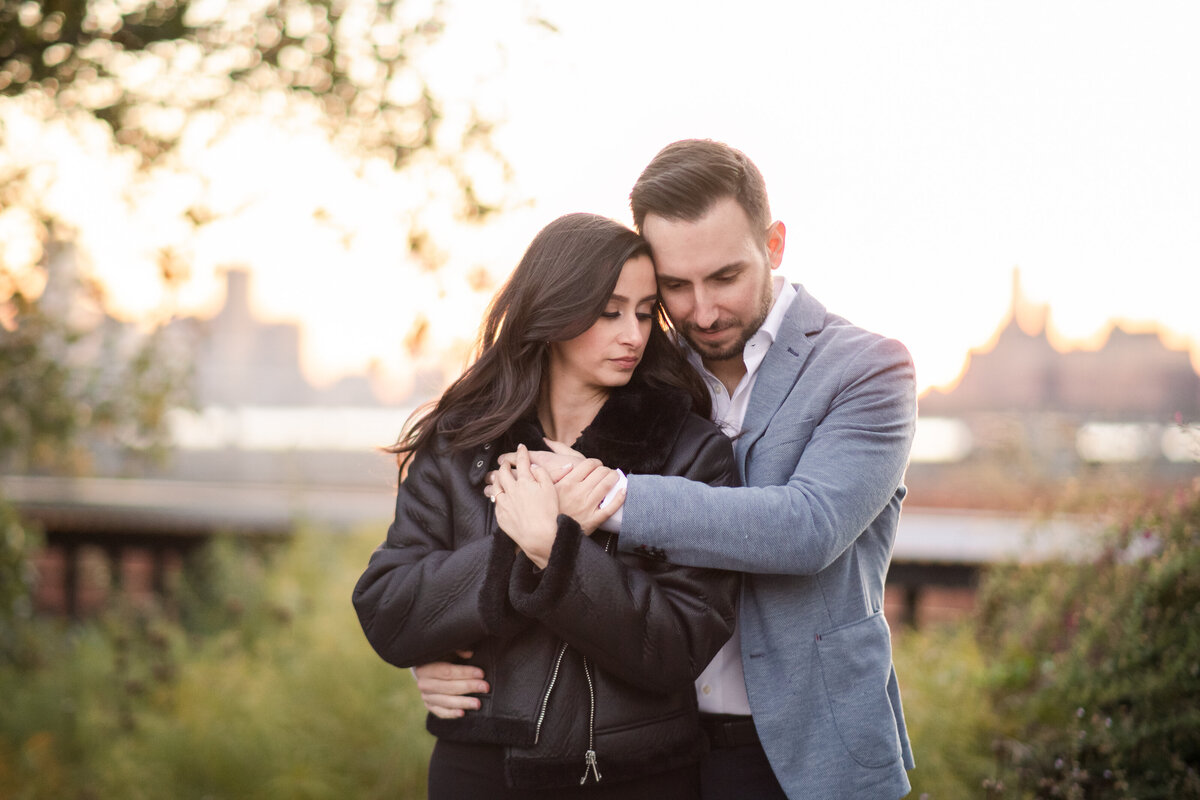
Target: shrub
1097,663
261,686
947,709
17,541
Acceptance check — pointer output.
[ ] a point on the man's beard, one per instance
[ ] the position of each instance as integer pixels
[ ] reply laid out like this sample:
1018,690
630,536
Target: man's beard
738,346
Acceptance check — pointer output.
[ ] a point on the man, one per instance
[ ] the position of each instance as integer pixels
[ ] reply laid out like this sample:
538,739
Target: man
823,414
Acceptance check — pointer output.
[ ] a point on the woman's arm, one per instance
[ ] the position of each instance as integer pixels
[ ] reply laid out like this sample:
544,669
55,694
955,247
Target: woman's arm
654,625
422,596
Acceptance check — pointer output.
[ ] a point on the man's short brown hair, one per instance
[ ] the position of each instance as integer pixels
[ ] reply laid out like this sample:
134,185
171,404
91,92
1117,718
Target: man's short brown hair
686,177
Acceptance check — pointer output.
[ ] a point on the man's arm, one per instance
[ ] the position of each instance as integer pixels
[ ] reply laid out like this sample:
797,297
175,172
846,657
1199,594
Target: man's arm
814,505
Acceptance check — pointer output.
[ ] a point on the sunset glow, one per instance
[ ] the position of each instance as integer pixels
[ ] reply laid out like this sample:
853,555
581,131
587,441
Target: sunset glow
916,157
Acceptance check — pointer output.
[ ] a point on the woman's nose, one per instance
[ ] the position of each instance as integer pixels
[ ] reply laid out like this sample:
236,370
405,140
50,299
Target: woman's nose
631,331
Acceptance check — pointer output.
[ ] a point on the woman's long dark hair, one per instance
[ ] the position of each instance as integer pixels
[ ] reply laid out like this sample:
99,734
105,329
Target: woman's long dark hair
559,289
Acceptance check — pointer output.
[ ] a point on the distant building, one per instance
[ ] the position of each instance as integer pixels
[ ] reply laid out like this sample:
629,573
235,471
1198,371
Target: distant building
1024,414
257,418
240,360
1133,377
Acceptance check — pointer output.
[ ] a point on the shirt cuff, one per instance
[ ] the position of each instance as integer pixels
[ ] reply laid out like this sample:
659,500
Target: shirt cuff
613,523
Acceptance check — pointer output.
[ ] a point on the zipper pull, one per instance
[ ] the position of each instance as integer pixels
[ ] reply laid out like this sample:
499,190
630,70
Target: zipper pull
589,759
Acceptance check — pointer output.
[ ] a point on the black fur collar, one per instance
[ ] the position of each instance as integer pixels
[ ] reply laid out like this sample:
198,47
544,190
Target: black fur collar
633,432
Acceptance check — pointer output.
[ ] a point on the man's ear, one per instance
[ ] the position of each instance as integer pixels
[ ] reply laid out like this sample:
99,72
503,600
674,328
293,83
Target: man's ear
776,235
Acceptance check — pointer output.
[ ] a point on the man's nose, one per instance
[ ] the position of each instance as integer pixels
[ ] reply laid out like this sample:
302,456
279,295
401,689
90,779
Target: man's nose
704,312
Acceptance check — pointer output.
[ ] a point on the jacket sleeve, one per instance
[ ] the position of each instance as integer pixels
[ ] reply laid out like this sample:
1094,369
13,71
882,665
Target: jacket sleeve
421,598
653,625
850,469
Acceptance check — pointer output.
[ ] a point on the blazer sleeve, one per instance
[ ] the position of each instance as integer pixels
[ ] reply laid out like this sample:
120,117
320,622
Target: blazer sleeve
850,469
651,624
420,597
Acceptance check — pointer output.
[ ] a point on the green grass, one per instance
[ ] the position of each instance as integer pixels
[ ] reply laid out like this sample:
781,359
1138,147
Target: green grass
262,686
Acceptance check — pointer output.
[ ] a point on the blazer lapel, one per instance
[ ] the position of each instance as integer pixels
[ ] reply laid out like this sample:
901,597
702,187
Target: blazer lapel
779,371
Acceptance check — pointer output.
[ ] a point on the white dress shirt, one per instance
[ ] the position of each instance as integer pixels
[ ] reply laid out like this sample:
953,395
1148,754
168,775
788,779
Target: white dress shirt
721,688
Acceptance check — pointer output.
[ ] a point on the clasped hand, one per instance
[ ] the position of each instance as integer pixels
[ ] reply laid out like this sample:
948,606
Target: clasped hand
527,507
580,484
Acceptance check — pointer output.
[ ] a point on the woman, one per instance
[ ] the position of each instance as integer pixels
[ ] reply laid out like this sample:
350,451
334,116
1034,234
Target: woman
590,655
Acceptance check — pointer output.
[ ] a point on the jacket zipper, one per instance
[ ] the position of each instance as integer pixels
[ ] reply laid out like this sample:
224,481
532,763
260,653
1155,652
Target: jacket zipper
589,757
546,699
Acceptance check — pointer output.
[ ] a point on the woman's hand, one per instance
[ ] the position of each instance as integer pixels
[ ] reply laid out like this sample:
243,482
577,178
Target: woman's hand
581,483
527,507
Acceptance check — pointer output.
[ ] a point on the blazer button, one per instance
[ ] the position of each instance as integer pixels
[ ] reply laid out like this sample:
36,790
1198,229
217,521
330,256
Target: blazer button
478,464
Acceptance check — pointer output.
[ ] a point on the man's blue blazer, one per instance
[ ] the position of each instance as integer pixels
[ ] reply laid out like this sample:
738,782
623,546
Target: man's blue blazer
822,454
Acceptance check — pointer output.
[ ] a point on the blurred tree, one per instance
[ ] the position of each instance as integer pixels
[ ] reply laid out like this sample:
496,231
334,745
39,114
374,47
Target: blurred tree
149,69
73,383
70,375
144,66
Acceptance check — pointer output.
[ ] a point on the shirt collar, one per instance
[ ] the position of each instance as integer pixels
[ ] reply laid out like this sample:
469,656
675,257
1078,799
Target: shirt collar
785,293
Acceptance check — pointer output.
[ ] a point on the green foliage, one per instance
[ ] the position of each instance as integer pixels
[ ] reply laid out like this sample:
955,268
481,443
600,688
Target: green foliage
254,680
262,686
71,378
356,59
17,542
82,54
1096,664
75,386
947,709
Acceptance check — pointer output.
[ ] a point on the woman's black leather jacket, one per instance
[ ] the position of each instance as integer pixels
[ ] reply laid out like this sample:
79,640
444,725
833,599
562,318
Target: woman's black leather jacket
591,661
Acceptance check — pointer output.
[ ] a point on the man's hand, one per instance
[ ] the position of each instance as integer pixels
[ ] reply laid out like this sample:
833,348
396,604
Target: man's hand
445,687
581,491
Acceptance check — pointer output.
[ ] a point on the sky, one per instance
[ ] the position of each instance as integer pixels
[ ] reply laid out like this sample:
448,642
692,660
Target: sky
918,153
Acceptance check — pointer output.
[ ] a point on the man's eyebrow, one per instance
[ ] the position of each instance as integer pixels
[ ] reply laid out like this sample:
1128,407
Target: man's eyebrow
736,266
